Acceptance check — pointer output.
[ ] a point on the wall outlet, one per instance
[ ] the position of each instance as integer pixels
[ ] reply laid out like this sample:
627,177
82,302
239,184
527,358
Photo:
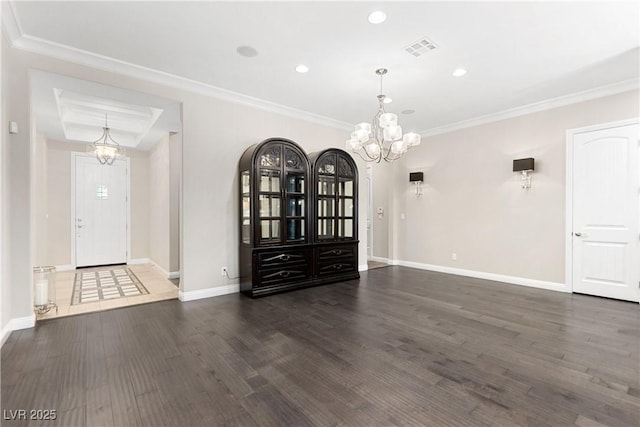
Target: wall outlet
223,271
454,256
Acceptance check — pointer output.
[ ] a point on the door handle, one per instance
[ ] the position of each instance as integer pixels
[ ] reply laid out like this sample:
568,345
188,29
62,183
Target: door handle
577,234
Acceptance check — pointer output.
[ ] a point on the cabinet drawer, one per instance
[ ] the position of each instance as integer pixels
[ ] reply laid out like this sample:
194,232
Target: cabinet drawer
343,265
284,274
336,252
282,258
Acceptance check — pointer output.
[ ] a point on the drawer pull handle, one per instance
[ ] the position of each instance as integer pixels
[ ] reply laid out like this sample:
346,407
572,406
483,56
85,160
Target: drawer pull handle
285,273
337,252
337,266
284,257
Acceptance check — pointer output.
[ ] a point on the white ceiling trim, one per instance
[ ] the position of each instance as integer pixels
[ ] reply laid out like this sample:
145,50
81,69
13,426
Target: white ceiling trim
40,46
19,40
10,22
89,59
535,107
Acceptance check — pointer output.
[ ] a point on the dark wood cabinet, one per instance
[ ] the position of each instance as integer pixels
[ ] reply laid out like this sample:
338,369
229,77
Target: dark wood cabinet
298,219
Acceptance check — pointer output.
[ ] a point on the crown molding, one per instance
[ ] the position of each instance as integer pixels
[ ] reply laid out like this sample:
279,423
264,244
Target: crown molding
13,29
535,107
40,46
11,25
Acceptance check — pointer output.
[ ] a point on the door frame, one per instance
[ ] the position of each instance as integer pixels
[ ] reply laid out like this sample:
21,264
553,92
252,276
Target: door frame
369,178
568,242
74,156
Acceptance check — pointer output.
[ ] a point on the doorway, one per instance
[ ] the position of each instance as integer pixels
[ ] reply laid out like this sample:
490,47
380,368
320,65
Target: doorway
100,211
603,210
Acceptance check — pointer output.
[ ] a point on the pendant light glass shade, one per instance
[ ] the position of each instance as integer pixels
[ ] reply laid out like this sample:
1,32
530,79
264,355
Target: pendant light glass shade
382,139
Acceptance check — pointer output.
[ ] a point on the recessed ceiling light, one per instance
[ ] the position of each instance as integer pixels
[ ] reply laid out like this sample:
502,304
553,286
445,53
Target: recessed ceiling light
377,17
459,72
302,68
247,51
387,100
409,111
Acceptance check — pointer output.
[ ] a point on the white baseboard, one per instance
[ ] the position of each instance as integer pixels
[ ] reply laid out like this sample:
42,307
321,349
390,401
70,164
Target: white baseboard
168,274
164,272
363,267
17,324
379,259
208,293
139,261
514,280
66,267
6,331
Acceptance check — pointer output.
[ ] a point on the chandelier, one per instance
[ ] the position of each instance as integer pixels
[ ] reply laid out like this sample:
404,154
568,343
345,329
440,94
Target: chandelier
382,138
105,148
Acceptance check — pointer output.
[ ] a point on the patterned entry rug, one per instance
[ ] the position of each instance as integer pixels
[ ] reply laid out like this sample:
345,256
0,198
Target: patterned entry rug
92,286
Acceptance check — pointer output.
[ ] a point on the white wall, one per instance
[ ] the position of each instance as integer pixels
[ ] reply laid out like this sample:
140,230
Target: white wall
40,201
16,230
175,166
159,204
5,287
215,133
139,203
473,204
381,196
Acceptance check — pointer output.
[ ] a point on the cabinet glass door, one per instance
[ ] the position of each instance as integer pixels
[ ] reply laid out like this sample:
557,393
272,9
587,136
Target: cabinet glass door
282,199
336,189
246,207
326,204
269,209
345,207
295,197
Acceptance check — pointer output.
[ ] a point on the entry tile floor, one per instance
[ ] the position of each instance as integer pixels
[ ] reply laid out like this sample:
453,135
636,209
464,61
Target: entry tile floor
160,288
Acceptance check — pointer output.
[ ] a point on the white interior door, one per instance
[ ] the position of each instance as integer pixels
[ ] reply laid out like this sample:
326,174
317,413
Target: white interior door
100,212
606,212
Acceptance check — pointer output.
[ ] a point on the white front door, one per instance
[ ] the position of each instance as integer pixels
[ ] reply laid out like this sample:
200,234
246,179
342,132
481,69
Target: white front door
100,212
606,212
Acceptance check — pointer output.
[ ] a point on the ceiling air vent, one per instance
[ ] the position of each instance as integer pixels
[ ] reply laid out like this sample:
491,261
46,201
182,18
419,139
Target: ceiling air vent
420,47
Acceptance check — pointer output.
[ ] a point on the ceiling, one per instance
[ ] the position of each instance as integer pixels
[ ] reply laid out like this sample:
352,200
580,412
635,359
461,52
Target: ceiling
70,109
516,53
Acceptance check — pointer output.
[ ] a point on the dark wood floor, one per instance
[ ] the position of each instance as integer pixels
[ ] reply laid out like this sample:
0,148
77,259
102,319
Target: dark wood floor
399,347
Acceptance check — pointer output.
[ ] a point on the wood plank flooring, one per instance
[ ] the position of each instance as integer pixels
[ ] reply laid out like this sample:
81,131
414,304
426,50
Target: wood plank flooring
398,347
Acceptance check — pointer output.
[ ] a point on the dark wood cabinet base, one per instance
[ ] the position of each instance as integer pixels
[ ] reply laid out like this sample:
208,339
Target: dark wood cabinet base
285,268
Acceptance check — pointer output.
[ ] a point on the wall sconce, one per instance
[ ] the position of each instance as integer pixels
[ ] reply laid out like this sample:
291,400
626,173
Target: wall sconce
524,166
417,178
